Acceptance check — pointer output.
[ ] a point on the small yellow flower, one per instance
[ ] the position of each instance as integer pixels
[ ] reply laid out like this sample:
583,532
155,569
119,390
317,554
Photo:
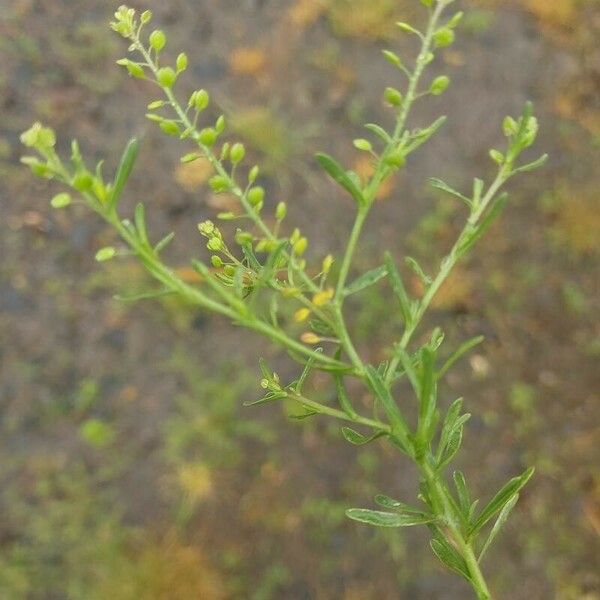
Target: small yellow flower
323,297
301,315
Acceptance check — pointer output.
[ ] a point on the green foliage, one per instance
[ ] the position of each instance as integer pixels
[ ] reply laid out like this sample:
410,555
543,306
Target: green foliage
262,277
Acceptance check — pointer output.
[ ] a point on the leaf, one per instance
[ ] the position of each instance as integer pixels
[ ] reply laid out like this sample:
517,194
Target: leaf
143,296
438,184
379,131
366,280
306,415
386,519
454,441
337,173
427,393
536,164
459,353
342,396
358,439
501,499
399,426
164,243
305,372
450,557
398,288
270,397
401,507
416,267
464,497
123,172
500,521
420,136
140,223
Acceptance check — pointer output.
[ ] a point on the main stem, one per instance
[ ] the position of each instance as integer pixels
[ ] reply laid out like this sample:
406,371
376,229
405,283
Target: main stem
445,501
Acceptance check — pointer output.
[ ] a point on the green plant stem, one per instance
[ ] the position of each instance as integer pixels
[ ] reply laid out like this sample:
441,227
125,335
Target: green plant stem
447,264
338,414
381,172
464,547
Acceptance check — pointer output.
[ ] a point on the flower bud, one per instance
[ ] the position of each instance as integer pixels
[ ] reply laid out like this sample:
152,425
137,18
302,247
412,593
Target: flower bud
253,174
82,182
219,184
199,100
243,238
157,40
146,17
169,127
229,270
310,338
396,159
497,156
206,227
327,264
216,261
226,216
215,244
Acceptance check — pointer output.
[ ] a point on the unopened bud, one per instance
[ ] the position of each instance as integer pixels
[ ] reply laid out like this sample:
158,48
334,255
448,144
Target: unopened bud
310,338
301,315
237,153
323,297
281,211
157,40
256,195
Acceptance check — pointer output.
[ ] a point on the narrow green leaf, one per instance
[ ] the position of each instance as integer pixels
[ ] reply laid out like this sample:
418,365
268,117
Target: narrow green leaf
454,440
532,166
500,521
123,172
306,371
358,439
340,176
438,184
427,393
398,288
366,280
420,136
140,223
270,397
464,497
143,296
379,131
450,557
400,507
500,500
459,353
342,396
449,422
392,410
418,270
386,519
164,243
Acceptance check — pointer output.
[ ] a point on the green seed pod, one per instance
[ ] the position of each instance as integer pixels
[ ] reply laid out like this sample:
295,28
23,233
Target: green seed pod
157,40
146,17
182,62
300,246
253,174
105,254
169,127
281,211
226,216
439,85
392,58
392,96
295,236
362,144
444,37
201,100
225,151
156,104
219,184
216,261
61,200
237,153
229,270
208,137
220,124
256,195
215,244
166,77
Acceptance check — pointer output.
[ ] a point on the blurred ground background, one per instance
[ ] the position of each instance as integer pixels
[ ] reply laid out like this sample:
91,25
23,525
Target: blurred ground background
129,468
